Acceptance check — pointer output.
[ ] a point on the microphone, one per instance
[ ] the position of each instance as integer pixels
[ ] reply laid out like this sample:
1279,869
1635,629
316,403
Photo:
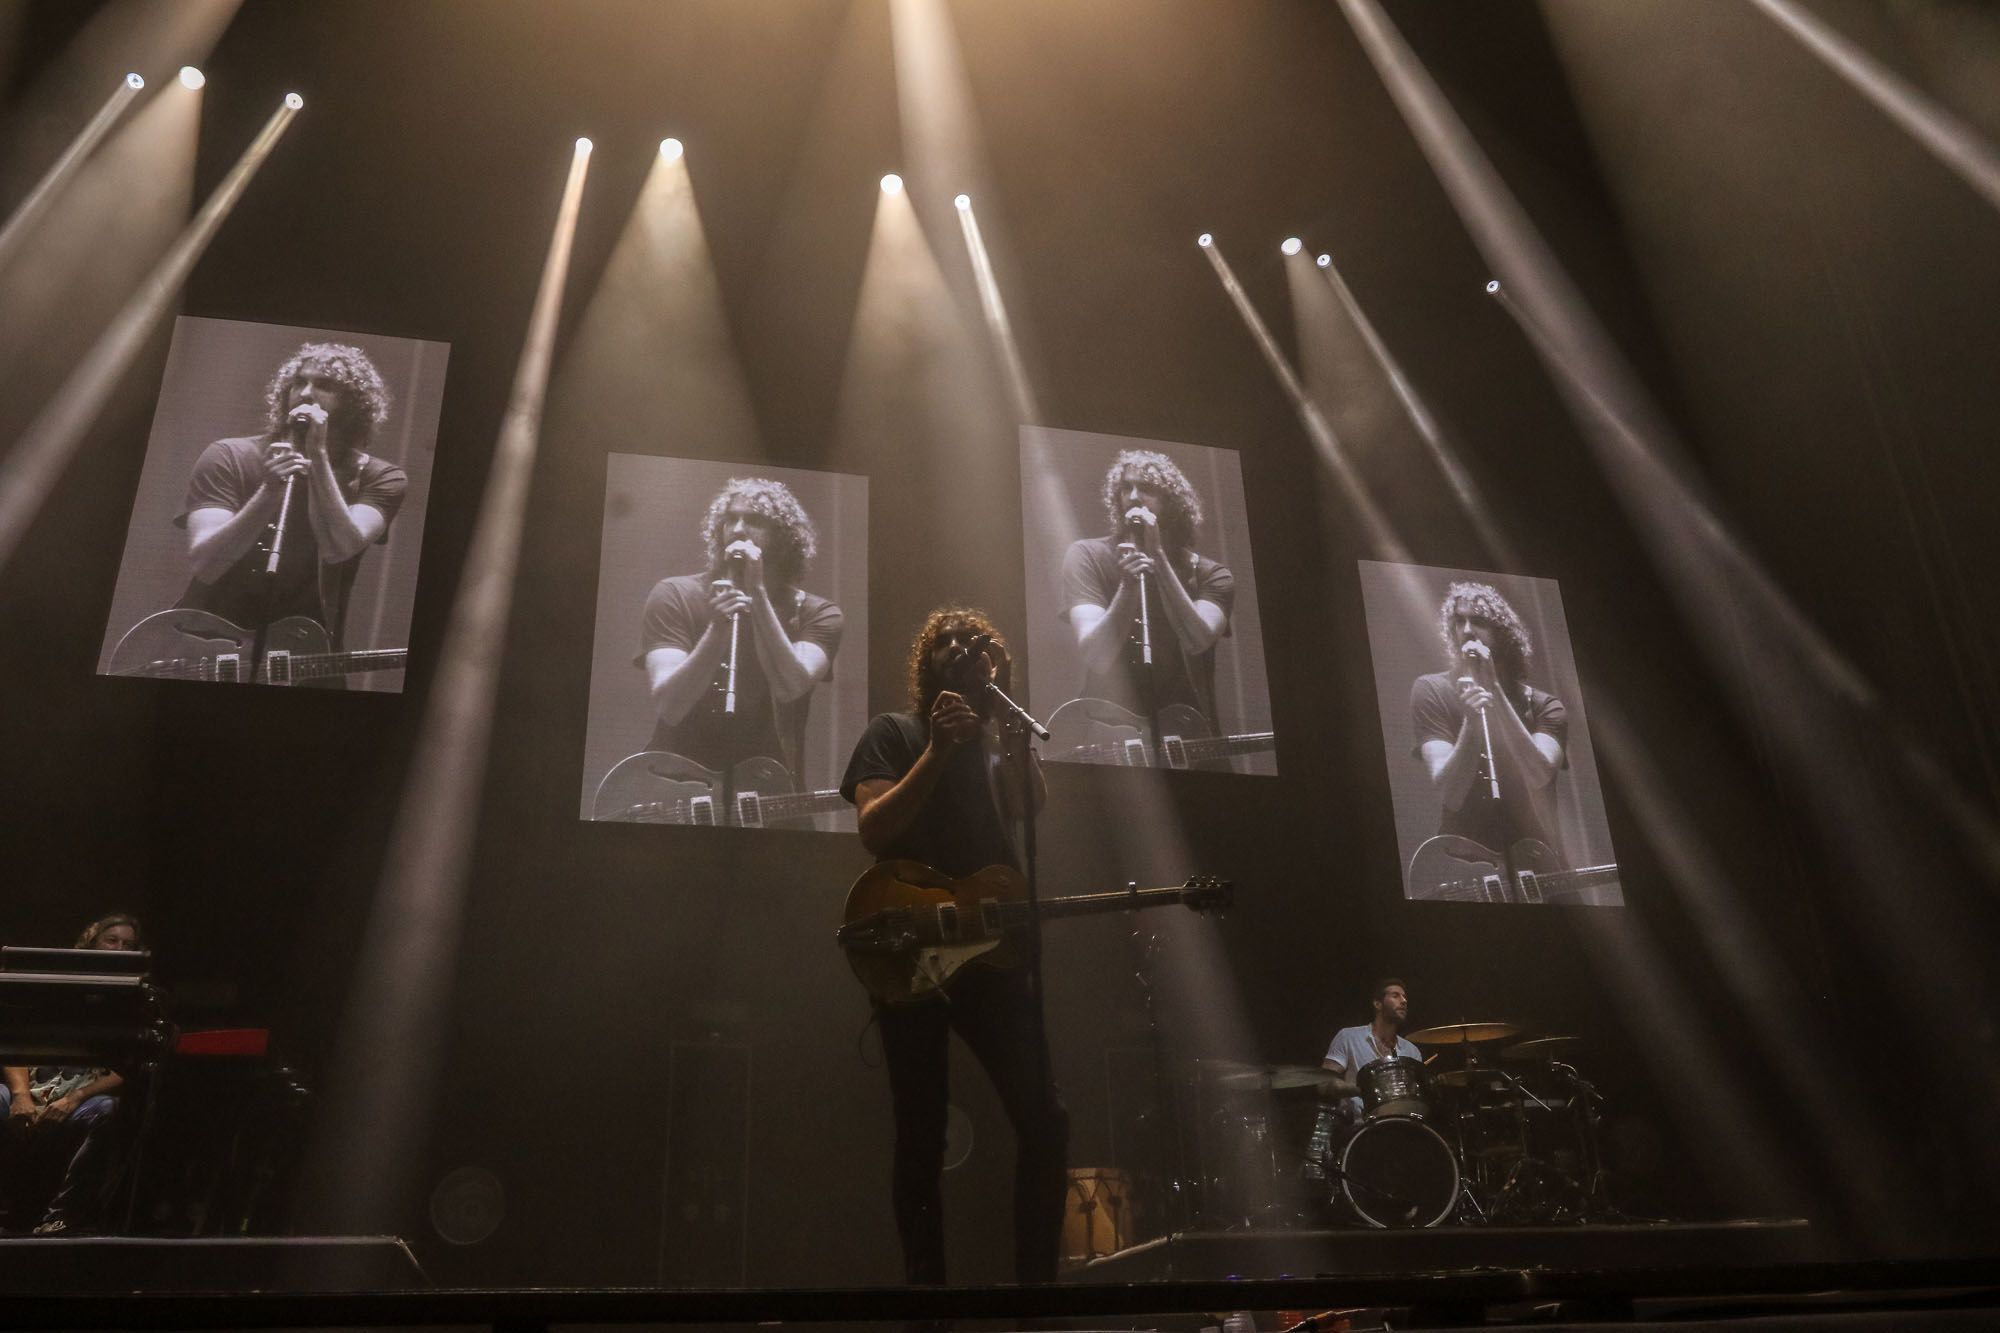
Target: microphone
1486,731
297,424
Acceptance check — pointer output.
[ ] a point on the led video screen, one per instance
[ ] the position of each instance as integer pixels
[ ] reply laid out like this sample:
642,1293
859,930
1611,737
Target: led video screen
1143,629
729,675
1490,761
275,534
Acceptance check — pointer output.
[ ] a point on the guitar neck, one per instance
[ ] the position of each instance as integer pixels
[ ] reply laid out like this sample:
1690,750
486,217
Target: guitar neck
1225,747
796,806
1088,904
340,664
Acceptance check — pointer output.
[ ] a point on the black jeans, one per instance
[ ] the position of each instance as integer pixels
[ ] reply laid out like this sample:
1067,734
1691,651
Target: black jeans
995,1012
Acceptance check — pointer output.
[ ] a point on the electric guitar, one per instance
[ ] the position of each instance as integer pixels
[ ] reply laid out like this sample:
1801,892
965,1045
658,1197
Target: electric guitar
660,787
185,644
1449,868
908,928
1097,731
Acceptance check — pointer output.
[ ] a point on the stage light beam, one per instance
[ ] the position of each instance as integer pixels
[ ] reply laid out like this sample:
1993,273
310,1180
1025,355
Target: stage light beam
1292,245
377,1113
962,202
295,102
1204,240
51,439
65,167
892,184
671,149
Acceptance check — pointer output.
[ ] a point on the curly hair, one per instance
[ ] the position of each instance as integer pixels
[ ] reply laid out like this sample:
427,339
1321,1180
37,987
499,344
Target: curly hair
1155,470
921,676
1479,601
91,932
796,539
350,368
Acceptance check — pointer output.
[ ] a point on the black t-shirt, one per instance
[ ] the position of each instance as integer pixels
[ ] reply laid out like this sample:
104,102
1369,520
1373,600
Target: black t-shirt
1090,575
1520,812
959,829
676,614
226,475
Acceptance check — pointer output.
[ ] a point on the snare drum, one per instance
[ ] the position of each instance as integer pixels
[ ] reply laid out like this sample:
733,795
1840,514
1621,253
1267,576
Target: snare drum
1396,1086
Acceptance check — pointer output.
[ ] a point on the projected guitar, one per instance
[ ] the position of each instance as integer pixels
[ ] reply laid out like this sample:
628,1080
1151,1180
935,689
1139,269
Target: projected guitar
1097,731
908,928
660,787
185,644
1449,868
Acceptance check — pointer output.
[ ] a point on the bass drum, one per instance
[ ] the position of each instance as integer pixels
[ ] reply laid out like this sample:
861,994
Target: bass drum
1396,1171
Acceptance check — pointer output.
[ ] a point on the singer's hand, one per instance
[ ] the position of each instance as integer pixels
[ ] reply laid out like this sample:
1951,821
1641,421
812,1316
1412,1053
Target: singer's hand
308,428
953,722
1144,526
725,599
1478,658
1473,695
748,558
1132,562
281,462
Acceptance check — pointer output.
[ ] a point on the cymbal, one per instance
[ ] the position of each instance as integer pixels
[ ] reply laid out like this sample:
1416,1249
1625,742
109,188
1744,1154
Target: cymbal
1281,1078
1541,1048
1457,1034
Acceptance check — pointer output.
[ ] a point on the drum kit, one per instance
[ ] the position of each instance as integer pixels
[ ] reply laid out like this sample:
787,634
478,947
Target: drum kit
1491,1127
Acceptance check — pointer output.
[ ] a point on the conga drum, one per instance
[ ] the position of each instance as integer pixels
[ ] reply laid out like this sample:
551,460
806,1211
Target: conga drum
1097,1214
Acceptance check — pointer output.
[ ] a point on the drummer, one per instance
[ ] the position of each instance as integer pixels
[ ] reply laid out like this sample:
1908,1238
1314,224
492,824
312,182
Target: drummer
1356,1047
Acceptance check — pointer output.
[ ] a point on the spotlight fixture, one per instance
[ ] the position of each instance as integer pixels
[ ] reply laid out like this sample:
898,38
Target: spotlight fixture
962,202
134,82
583,145
892,184
294,101
1324,261
671,149
1204,240
191,77
1292,245
1493,286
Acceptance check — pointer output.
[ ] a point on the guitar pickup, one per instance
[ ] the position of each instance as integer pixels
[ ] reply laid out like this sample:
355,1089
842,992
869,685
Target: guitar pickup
947,921
701,810
1174,750
1133,752
1531,891
749,813
277,667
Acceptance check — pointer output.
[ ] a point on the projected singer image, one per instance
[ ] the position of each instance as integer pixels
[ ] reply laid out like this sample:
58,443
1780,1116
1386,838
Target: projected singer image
729,675
275,533
1143,626
1490,761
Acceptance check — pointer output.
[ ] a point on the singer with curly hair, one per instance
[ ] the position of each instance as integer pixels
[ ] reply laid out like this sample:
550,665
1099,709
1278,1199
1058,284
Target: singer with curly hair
938,783
310,469
1484,696
759,541
1152,513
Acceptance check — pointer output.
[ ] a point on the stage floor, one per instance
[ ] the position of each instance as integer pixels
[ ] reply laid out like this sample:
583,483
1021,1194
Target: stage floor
1207,1256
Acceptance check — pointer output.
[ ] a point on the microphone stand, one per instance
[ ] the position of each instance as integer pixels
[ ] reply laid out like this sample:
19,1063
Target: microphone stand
268,584
1486,734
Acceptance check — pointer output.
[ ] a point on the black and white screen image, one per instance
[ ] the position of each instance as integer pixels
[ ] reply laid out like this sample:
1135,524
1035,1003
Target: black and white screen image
280,512
729,676
1490,761
1143,634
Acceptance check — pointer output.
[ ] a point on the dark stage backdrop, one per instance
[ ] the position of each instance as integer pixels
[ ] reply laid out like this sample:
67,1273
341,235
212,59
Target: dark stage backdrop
216,374
605,966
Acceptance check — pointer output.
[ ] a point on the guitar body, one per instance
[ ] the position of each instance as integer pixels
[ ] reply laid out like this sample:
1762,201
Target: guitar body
185,644
907,928
660,787
1449,868
939,941
1097,731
